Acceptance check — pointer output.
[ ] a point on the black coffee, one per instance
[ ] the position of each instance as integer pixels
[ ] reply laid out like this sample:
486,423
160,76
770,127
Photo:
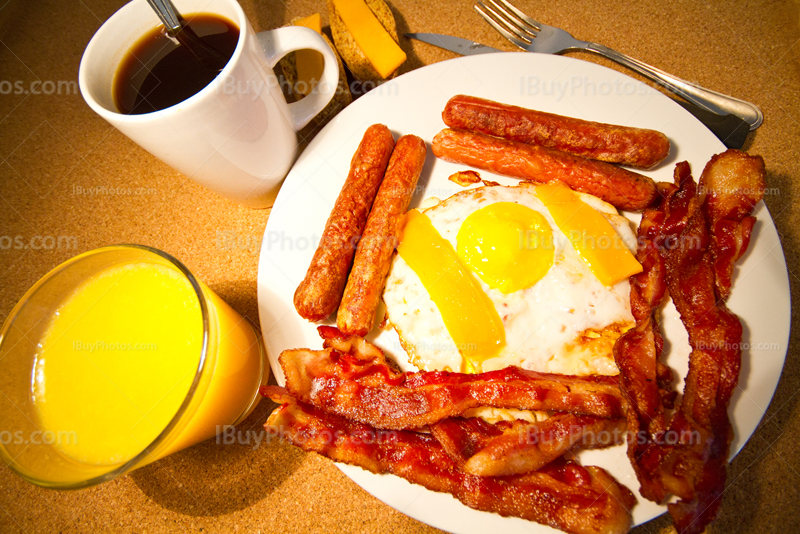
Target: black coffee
158,73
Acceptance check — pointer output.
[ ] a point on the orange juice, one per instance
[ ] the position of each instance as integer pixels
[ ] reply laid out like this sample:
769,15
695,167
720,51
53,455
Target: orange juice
121,355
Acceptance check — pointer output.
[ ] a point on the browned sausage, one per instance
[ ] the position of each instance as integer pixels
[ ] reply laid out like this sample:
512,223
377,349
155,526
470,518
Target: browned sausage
637,147
362,294
318,295
619,187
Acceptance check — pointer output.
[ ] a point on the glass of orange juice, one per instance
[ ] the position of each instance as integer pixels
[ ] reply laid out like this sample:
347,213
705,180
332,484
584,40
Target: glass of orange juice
116,358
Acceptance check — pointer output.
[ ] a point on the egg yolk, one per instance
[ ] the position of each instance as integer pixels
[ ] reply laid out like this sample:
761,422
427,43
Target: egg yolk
591,235
469,315
509,246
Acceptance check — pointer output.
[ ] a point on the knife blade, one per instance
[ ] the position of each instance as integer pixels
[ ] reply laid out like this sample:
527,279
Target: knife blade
729,129
459,45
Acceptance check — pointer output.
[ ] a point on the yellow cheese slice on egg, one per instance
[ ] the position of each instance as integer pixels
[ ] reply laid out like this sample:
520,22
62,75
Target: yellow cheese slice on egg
469,314
383,53
592,236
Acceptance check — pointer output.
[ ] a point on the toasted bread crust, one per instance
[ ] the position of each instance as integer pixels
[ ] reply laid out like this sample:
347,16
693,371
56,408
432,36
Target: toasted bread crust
352,55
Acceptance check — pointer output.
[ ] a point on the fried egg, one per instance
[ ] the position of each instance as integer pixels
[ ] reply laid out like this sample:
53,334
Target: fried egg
522,292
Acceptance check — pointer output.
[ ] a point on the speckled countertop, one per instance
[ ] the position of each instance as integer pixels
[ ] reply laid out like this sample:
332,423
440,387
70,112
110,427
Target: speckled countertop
54,149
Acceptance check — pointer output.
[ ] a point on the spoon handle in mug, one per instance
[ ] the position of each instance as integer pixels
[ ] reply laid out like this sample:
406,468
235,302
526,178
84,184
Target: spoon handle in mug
168,15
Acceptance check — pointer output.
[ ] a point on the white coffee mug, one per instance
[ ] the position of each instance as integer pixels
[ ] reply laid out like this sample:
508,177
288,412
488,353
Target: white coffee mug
237,136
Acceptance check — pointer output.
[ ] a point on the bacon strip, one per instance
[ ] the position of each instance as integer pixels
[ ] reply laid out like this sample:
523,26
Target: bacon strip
362,387
565,495
513,448
700,233
644,380
734,183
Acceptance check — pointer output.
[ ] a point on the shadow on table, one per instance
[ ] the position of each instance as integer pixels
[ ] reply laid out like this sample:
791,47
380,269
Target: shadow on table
230,472
235,469
412,59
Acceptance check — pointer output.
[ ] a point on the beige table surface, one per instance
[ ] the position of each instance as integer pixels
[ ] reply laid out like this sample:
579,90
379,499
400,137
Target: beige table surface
54,149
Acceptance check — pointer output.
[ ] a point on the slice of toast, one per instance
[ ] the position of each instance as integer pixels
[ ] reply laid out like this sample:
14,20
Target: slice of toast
350,52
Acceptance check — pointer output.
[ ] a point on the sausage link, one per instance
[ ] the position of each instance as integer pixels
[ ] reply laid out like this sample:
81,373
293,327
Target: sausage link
620,187
637,147
319,293
373,258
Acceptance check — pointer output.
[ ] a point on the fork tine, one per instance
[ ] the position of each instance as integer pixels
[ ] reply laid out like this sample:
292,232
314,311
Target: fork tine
515,24
480,6
522,15
499,23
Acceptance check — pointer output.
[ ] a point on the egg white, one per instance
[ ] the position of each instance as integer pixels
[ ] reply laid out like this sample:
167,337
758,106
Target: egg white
565,323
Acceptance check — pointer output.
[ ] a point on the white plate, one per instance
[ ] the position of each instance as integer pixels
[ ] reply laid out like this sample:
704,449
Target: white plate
412,104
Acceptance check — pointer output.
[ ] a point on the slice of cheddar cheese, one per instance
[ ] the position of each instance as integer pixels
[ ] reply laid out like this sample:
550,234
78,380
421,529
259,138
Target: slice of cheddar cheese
313,22
592,236
310,63
383,53
468,313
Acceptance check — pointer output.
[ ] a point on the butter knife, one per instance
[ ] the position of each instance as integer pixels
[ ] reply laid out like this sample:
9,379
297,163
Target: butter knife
730,129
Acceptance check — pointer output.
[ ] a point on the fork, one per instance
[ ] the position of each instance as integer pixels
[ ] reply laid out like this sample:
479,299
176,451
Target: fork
534,36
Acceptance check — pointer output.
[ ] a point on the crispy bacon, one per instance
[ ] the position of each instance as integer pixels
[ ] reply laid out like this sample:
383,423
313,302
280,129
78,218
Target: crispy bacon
513,448
699,232
734,183
565,495
644,380
699,281
360,385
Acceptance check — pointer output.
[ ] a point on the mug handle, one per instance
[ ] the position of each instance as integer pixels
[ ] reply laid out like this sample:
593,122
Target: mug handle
279,42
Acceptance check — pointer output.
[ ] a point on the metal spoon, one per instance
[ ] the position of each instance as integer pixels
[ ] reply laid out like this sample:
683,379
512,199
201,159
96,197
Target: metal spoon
179,30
